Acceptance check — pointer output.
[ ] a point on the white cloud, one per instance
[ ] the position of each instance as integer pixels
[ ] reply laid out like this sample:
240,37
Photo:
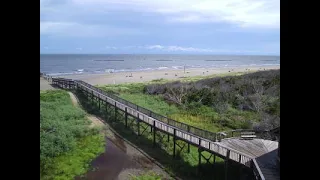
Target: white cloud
155,47
190,49
63,17
74,29
110,47
245,13
187,18
178,48
174,48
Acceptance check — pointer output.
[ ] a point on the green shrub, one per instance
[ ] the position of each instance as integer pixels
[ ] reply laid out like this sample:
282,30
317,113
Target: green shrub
257,93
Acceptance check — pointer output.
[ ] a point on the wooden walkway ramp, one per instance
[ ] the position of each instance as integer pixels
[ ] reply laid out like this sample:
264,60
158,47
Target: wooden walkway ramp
263,151
268,165
240,151
254,147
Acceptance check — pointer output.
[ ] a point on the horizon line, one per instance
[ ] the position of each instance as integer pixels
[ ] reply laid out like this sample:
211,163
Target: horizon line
157,54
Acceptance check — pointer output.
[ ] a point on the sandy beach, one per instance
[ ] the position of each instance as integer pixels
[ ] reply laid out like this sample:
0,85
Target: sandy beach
172,74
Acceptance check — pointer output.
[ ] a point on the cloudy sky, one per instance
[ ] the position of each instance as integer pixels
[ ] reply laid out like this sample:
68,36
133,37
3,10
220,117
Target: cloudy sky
160,26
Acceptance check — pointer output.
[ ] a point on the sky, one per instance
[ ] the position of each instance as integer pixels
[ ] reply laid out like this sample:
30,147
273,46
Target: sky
249,27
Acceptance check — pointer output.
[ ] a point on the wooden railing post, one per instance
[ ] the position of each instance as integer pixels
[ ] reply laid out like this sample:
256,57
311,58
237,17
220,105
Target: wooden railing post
279,149
138,124
174,143
154,133
115,111
126,117
87,93
92,97
99,101
188,143
226,164
214,166
199,156
107,114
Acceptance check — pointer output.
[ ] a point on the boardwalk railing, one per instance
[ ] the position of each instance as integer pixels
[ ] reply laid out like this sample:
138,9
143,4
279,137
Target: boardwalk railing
256,170
267,135
198,137
183,126
46,77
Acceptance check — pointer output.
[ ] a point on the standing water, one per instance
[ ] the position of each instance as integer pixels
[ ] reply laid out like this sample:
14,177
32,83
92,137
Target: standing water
108,165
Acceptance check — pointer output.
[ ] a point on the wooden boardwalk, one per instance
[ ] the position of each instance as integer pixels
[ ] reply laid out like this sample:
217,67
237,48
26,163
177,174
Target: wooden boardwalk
206,144
240,151
254,148
44,84
263,151
268,165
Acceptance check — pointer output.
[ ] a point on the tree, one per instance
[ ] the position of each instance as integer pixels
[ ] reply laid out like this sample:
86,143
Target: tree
177,95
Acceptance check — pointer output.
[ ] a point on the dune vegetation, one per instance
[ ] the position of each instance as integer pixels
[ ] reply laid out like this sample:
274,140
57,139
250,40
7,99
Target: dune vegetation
67,143
216,103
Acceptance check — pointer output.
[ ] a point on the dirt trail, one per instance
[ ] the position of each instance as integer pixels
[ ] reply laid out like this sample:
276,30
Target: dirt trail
120,160
45,85
95,121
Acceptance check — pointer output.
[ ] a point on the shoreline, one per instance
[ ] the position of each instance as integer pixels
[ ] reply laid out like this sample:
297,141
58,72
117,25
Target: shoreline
167,74
80,71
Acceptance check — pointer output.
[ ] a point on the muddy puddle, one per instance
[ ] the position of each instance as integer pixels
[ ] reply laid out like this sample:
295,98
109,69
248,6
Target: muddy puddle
115,159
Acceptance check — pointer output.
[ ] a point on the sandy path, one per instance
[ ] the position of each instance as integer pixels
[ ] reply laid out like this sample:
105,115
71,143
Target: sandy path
95,121
44,85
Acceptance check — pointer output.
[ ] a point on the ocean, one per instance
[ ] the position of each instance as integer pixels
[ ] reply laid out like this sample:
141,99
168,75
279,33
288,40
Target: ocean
68,64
